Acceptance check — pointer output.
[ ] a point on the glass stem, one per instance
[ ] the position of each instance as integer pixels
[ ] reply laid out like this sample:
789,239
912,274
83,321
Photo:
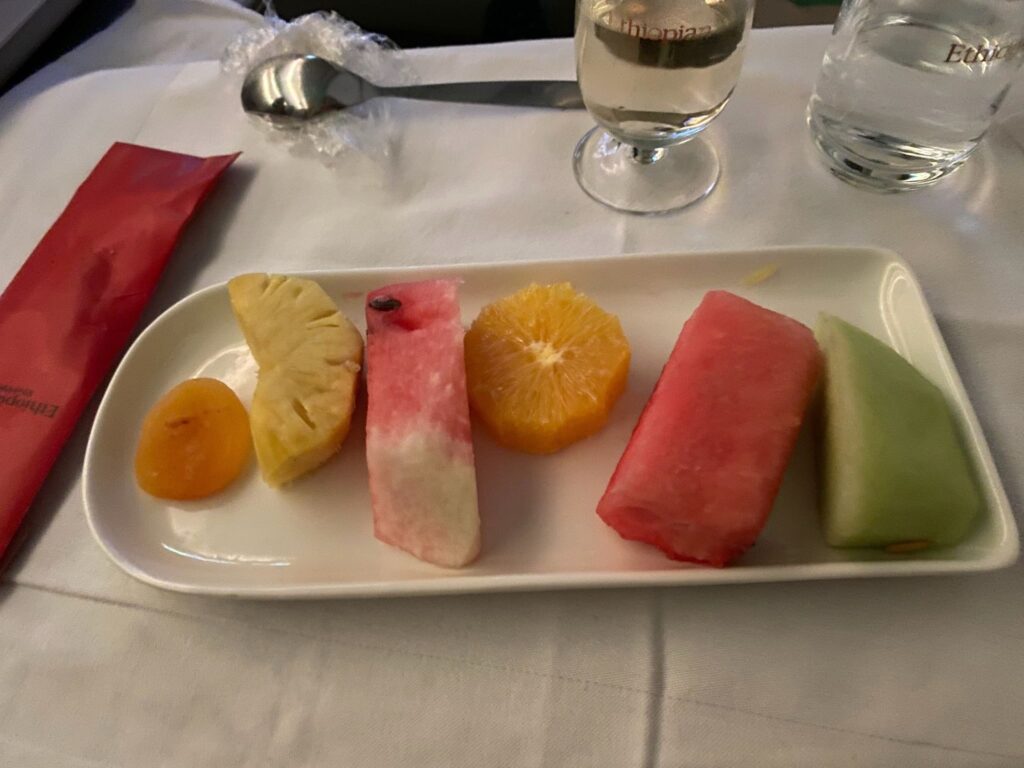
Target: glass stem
647,156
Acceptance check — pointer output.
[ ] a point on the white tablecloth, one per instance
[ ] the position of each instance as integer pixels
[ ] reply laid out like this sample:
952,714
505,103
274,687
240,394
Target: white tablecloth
99,670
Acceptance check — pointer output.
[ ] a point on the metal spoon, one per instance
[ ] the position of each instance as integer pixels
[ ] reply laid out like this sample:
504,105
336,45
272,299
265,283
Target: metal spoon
292,88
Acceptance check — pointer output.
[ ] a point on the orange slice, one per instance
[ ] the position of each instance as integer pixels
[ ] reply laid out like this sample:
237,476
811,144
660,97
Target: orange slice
544,367
194,441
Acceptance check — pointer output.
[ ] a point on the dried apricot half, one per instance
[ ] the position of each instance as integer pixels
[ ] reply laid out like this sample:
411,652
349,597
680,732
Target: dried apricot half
194,442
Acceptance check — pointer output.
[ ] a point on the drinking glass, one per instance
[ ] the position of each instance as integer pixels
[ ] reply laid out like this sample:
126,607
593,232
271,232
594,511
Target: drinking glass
908,88
654,74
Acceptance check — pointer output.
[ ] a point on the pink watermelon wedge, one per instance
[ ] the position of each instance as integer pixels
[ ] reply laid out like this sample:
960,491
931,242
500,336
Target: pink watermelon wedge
419,450
704,464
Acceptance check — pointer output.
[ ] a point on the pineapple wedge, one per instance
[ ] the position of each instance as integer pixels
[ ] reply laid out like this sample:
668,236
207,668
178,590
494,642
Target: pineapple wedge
309,356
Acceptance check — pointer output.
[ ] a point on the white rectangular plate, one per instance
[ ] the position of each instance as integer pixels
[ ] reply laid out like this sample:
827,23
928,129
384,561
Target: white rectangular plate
539,527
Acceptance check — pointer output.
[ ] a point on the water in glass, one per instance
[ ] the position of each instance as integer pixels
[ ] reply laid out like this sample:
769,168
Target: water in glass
909,87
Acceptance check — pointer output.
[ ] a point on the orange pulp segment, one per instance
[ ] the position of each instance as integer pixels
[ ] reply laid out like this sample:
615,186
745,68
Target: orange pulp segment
194,442
544,367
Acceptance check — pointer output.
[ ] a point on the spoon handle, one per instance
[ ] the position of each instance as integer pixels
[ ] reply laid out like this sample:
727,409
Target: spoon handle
559,94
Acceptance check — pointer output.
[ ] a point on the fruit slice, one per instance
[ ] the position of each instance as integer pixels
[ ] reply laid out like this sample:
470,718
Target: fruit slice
194,441
545,366
702,469
418,445
894,470
309,356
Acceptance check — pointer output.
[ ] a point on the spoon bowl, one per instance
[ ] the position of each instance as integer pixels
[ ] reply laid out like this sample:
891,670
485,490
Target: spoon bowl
291,89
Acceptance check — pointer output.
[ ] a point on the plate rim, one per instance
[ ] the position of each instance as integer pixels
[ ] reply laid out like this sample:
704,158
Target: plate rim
1003,555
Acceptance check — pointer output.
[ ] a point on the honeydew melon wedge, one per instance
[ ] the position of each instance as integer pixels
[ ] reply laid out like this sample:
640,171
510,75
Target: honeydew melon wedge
894,470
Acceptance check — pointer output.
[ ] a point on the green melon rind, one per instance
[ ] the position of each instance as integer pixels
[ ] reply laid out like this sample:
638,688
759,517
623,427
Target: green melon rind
894,468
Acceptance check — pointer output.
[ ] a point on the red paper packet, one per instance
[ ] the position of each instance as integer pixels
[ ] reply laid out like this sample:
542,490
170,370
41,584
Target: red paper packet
70,310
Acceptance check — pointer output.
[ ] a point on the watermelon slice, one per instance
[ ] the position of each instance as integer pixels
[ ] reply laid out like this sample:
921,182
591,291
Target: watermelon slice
701,471
419,450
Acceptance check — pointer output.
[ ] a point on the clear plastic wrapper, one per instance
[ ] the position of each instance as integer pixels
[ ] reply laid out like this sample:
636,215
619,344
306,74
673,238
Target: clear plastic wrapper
366,128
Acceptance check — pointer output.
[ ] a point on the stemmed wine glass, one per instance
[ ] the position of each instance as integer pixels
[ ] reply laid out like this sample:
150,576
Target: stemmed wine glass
653,74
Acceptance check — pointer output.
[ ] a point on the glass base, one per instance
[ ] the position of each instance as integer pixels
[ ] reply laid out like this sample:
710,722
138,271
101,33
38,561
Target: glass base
644,181
882,163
